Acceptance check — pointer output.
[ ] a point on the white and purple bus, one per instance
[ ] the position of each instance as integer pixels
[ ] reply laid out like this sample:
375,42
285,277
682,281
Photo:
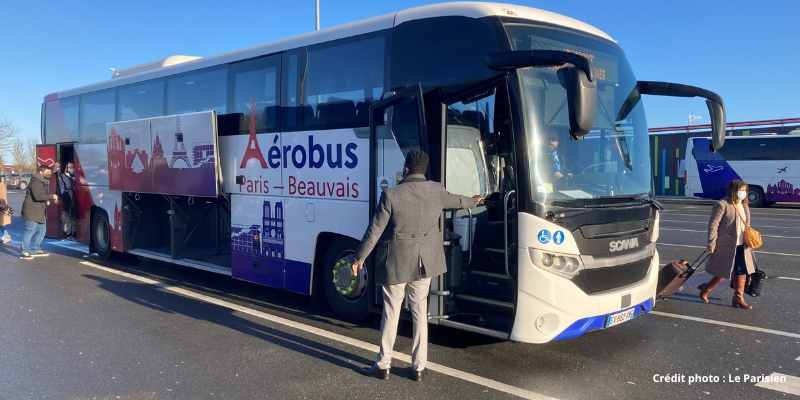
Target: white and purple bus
265,164
769,164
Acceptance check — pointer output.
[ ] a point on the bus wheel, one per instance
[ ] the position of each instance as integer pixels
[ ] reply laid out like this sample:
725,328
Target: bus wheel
755,196
347,296
23,185
101,235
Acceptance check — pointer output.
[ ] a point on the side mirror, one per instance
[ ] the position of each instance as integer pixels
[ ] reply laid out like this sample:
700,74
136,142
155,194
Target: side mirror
716,107
575,75
717,112
581,99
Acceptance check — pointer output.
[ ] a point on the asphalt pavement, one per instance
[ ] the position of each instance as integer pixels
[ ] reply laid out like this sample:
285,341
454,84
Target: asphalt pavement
74,327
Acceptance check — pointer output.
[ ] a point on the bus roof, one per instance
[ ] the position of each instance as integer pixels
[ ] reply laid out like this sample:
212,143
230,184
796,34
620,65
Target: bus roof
466,9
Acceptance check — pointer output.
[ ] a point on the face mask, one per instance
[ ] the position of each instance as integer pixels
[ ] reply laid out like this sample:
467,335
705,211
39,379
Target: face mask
741,195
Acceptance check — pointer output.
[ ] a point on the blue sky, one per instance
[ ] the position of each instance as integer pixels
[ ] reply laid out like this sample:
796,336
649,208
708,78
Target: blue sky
747,51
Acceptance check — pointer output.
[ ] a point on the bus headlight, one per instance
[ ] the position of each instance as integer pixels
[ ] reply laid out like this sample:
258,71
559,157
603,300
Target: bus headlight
560,264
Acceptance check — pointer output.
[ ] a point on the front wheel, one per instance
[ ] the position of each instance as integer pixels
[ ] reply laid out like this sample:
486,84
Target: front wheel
101,235
755,196
347,296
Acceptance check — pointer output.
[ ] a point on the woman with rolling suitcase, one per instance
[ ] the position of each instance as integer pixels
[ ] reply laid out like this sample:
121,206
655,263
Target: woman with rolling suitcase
731,258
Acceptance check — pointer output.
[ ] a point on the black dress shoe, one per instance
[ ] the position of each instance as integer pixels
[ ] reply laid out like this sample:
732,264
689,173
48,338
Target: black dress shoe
417,375
376,372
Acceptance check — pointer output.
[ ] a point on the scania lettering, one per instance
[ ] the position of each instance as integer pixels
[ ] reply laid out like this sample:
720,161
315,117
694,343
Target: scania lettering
266,164
621,245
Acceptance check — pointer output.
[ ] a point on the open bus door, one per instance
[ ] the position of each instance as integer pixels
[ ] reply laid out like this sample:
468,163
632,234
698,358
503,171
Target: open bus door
47,155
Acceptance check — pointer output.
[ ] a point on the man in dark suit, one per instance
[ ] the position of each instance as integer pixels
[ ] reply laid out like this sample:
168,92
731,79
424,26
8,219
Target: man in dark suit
407,232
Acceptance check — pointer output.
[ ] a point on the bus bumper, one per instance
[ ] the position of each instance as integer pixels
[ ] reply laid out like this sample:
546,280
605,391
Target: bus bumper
550,307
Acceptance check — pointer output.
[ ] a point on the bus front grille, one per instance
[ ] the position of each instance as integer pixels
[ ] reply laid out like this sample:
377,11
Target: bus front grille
598,280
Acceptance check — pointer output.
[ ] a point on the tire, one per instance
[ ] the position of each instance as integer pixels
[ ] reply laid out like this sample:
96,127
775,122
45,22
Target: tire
101,235
755,196
355,308
23,185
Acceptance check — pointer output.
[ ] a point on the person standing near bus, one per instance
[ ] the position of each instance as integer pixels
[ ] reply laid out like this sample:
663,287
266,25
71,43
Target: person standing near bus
34,209
410,253
5,211
65,182
730,258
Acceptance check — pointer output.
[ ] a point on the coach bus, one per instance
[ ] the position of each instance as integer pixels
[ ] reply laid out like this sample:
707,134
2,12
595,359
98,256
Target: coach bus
770,164
265,164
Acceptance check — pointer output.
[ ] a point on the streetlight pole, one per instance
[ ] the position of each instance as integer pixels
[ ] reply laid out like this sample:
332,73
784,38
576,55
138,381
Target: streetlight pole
316,15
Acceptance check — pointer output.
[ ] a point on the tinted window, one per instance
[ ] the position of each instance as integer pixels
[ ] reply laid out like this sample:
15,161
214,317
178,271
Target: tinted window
254,86
142,100
791,148
97,109
753,149
443,51
291,94
340,82
197,91
61,120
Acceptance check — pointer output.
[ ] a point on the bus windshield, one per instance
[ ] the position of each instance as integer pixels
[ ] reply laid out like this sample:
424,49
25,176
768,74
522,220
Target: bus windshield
613,159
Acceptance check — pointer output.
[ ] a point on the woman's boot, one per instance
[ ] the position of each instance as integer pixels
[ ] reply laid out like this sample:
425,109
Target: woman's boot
738,296
706,288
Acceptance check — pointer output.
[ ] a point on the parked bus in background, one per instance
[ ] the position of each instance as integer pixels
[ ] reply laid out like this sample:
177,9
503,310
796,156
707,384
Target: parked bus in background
769,164
266,164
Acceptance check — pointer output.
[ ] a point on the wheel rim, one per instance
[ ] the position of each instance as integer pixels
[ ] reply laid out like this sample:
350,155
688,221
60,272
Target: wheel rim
753,196
101,236
348,287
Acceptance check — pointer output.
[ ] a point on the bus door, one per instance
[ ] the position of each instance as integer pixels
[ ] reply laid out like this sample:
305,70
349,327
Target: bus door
397,126
47,154
479,160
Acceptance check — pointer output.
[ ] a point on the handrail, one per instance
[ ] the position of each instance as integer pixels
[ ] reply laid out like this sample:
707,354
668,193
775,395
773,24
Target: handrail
469,236
505,227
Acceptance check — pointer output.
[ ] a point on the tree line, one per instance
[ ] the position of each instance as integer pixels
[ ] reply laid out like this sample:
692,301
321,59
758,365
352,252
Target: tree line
14,150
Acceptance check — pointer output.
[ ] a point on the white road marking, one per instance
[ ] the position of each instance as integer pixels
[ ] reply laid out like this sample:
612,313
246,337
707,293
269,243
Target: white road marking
442,369
728,324
781,383
705,231
787,278
703,247
797,359
755,216
706,223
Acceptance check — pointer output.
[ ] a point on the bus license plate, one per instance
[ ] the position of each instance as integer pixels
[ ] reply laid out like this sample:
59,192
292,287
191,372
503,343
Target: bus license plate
620,317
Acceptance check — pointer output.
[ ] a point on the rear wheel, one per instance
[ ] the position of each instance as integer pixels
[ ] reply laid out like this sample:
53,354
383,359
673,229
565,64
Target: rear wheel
347,296
755,196
101,235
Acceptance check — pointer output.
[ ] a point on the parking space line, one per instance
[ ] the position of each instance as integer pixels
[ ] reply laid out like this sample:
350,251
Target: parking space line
728,324
704,231
781,383
442,369
703,247
706,223
787,278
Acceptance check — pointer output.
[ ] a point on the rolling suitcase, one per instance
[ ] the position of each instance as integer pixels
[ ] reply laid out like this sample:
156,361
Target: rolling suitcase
673,275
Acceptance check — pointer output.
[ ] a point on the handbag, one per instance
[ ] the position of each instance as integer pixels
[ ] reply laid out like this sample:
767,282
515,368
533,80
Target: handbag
752,237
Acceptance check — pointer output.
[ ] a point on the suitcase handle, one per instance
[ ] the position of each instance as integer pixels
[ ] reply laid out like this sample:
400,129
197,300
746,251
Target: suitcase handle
700,260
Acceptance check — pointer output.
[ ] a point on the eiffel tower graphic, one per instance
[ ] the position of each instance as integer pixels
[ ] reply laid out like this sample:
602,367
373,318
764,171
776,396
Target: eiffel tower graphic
179,151
253,150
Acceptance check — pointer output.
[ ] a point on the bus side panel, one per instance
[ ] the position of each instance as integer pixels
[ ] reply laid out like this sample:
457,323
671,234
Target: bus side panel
286,189
715,172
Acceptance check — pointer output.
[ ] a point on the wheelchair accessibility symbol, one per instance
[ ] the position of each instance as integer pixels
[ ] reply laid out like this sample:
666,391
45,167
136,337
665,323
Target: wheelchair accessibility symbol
544,236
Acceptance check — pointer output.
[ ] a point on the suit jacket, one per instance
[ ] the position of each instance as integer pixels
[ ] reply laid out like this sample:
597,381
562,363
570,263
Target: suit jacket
722,239
406,231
